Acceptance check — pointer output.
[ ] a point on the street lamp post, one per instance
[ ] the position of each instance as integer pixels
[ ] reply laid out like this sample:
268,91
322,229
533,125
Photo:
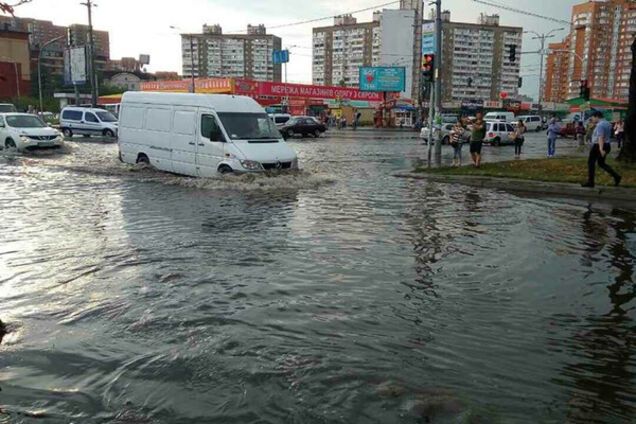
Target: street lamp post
542,37
192,82
91,42
44,46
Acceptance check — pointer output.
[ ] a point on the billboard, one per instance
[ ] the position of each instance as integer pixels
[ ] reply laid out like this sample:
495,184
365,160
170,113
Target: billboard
428,38
382,78
144,59
77,65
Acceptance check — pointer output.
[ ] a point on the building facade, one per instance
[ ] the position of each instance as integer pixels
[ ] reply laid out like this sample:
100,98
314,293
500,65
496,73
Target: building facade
340,50
598,51
215,54
15,67
476,59
555,88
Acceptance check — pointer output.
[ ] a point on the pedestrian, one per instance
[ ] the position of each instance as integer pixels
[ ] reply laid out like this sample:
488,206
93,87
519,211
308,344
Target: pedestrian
458,135
600,150
619,132
580,133
553,133
477,139
519,138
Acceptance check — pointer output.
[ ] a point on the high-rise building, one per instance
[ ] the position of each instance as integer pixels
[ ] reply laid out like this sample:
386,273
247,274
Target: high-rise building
340,50
555,88
231,55
599,51
476,59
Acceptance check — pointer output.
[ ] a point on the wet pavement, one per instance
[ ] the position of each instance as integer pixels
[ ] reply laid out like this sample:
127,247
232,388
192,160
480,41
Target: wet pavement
340,294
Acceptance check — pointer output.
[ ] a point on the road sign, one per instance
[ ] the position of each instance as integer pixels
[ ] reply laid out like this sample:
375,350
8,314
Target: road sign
280,56
382,78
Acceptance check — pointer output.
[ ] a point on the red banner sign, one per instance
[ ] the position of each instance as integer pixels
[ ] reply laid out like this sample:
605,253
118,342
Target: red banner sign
205,85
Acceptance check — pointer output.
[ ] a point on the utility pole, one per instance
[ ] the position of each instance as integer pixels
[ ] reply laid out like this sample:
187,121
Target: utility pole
542,38
438,75
91,42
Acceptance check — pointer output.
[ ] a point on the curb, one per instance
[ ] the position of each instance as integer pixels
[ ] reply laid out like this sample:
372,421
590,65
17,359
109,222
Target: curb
620,194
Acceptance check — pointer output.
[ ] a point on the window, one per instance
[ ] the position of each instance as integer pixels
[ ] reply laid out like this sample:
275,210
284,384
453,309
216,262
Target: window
89,117
25,121
210,128
255,126
72,115
106,117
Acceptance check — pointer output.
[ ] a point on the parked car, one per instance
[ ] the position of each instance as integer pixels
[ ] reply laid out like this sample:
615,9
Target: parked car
280,119
200,135
24,131
499,117
499,133
445,130
532,122
7,108
304,126
88,122
568,130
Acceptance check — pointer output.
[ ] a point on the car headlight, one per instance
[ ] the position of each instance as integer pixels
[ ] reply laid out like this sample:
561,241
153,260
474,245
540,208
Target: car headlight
24,139
251,165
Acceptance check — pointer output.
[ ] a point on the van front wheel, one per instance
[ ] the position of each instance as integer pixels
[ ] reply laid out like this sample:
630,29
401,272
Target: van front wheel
225,169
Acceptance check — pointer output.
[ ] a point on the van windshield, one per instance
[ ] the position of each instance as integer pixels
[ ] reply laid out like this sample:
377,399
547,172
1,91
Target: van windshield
106,117
249,126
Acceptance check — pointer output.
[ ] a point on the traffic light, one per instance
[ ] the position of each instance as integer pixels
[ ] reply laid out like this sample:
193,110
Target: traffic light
584,91
513,53
520,82
428,67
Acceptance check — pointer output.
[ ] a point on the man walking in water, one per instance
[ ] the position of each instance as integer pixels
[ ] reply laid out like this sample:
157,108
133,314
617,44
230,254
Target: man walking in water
601,148
477,139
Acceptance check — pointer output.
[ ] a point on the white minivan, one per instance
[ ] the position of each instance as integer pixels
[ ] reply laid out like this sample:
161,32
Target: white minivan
532,122
200,135
87,122
499,117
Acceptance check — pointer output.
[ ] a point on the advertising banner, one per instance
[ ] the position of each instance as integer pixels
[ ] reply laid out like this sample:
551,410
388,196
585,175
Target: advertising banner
382,78
314,92
207,85
75,70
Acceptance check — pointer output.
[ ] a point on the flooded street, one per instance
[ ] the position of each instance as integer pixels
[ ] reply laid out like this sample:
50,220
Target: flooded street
338,295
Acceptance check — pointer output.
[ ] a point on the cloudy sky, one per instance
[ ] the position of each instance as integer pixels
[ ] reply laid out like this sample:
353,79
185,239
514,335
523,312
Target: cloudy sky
143,26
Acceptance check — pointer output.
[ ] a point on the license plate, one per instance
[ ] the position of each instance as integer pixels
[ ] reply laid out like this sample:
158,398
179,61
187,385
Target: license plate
45,143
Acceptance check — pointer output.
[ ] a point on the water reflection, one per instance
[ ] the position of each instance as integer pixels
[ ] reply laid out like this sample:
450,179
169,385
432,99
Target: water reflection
600,380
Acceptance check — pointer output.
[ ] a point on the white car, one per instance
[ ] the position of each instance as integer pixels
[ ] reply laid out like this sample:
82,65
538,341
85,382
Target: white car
88,122
280,119
532,122
499,133
23,131
446,130
201,135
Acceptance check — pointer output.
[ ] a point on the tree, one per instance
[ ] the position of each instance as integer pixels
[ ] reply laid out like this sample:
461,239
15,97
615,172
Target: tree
628,152
9,9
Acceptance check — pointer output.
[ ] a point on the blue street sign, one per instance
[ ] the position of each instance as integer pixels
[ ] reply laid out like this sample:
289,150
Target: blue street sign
280,56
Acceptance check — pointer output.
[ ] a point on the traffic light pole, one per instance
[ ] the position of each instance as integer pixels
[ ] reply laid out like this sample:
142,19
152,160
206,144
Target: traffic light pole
438,85
431,110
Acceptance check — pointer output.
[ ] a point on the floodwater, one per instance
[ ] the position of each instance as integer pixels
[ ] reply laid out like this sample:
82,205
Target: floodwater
338,295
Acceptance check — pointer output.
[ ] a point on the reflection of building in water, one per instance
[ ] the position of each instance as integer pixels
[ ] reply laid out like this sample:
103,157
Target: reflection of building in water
602,371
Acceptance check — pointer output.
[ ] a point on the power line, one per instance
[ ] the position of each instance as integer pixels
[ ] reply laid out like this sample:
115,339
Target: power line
523,12
310,21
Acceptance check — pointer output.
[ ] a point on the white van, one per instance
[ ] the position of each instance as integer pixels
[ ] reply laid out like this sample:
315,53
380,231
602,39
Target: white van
200,135
87,122
532,122
499,117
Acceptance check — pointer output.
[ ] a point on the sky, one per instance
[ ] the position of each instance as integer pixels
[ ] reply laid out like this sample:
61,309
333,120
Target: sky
143,26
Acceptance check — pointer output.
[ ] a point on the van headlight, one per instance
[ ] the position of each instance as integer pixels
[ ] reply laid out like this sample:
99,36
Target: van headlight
251,165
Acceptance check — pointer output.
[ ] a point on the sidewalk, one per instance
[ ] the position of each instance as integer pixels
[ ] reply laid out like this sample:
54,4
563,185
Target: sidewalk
622,195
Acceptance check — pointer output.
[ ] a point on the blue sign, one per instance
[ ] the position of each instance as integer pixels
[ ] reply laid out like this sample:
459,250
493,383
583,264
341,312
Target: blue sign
382,78
280,56
428,38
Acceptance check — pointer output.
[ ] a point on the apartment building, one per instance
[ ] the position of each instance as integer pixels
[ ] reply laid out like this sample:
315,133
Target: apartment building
41,32
215,54
599,43
340,50
476,59
555,88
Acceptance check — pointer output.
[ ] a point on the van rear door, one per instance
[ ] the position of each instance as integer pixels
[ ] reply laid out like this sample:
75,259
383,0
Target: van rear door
210,153
184,141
